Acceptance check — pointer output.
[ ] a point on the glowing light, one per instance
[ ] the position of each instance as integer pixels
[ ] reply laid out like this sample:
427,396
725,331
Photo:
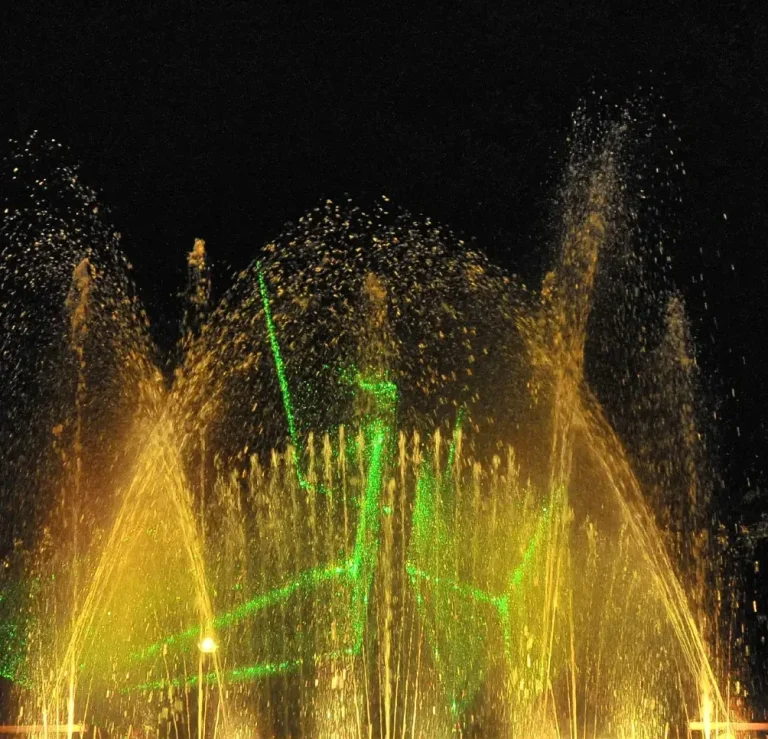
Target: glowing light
208,645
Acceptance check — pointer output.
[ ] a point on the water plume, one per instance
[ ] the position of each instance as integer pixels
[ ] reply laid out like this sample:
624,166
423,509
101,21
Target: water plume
379,494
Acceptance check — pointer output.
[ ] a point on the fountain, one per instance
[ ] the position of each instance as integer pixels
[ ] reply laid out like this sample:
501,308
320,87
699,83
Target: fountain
378,495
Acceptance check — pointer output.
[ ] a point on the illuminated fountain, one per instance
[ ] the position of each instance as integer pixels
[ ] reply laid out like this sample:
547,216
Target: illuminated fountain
378,494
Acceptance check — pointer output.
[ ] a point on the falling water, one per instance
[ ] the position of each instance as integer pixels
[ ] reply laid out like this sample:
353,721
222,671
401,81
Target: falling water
377,497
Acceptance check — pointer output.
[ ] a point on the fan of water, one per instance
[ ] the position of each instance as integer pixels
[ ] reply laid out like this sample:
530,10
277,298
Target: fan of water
377,497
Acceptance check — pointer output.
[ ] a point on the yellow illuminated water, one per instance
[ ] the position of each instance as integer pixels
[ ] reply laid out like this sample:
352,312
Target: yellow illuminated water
379,497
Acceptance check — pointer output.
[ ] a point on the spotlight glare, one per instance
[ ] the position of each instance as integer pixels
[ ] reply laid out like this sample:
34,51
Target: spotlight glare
208,645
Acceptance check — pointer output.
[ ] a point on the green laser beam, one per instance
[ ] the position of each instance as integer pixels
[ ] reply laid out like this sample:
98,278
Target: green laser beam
282,378
465,591
385,391
238,674
367,535
307,580
516,579
454,441
279,364
250,673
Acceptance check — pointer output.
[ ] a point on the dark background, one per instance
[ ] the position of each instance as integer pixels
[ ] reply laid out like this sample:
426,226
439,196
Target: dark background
226,120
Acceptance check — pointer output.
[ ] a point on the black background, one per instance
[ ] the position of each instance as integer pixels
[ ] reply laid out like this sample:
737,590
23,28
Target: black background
226,120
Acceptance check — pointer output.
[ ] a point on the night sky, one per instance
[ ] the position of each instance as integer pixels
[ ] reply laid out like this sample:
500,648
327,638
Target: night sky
226,120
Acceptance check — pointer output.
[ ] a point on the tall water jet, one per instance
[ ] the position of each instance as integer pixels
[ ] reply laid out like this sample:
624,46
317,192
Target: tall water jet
568,299
77,305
